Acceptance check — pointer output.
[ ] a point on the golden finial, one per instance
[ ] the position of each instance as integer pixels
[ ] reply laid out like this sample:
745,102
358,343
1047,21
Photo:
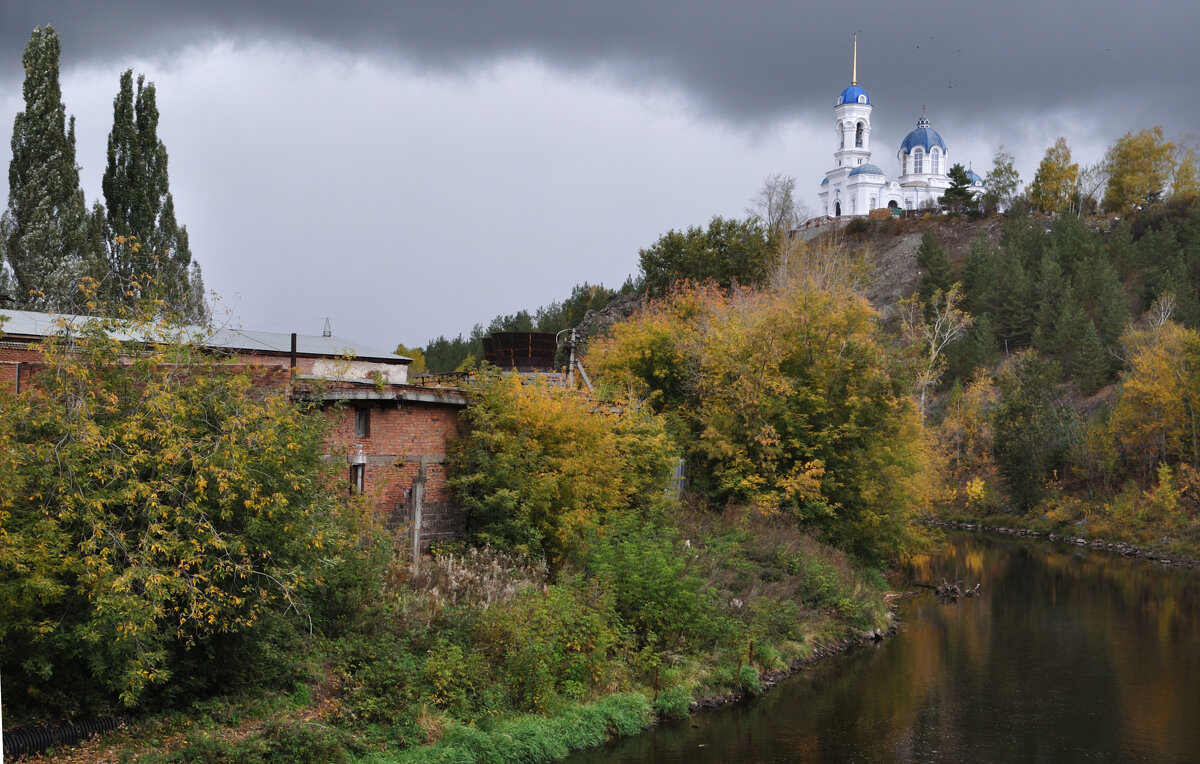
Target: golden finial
854,70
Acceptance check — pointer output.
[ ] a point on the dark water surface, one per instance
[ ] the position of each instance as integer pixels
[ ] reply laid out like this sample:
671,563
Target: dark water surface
1067,656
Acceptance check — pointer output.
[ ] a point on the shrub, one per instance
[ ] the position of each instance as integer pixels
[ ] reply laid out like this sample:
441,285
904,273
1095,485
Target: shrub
171,520
540,465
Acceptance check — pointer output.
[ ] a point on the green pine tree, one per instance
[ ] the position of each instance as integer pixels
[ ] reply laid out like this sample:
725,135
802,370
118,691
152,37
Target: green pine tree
1070,326
935,267
958,198
977,348
45,228
1091,365
143,236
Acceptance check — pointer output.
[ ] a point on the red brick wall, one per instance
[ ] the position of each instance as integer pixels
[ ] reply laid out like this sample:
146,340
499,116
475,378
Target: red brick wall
404,437
12,359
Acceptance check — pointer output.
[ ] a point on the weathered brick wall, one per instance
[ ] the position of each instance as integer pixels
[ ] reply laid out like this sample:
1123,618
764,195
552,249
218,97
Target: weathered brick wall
16,358
404,437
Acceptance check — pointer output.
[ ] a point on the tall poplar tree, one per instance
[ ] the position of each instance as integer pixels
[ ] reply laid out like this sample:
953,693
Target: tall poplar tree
143,236
45,227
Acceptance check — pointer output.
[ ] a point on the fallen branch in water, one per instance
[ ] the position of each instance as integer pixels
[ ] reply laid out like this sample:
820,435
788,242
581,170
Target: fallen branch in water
951,592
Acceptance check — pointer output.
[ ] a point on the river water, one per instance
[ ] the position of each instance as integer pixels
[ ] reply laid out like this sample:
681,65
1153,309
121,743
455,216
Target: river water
1067,656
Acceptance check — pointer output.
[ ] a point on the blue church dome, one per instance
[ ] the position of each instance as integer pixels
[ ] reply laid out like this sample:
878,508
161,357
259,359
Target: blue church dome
852,95
825,182
924,136
974,178
866,169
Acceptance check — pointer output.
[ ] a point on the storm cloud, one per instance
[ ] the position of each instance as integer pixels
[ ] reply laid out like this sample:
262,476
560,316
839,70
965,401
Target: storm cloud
415,167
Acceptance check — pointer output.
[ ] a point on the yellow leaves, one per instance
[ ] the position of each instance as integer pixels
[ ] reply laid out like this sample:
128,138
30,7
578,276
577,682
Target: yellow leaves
1140,165
1056,179
976,491
1159,407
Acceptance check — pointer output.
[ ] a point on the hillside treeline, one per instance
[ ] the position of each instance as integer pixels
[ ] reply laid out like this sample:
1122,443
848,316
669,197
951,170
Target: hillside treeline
1072,398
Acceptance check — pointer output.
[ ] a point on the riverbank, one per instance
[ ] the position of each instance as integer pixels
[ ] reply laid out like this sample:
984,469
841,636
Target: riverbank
483,657
988,679
1101,545
768,680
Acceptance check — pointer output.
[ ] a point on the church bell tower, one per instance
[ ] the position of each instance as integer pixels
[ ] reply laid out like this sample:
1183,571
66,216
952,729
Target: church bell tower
853,115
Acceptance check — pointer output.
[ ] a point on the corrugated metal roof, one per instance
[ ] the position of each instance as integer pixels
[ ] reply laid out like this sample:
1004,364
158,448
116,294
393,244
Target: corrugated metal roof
30,324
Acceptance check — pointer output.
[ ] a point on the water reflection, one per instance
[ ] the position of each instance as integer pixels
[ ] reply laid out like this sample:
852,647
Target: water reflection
1067,655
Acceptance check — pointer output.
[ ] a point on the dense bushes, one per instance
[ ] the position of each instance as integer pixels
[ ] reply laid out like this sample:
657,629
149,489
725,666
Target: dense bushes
785,399
168,524
540,465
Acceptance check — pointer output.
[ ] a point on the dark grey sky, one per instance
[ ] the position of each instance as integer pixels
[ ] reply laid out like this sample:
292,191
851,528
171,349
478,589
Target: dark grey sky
410,168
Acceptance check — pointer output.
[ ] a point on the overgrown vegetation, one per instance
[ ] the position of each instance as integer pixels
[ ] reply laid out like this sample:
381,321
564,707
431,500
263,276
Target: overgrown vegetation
178,508
168,525
1071,399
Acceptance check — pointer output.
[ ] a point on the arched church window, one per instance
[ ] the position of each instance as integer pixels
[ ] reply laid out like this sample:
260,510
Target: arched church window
918,160
872,202
934,156
858,136
862,99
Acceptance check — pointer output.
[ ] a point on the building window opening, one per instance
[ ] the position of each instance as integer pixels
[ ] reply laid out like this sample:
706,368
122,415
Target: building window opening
362,423
933,161
918,161
837,210
358,473
858,136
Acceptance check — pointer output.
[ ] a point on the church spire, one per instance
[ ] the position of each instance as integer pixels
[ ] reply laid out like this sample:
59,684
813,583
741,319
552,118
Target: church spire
854,69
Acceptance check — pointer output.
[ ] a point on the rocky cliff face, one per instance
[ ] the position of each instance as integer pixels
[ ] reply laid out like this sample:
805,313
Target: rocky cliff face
891,246
597,322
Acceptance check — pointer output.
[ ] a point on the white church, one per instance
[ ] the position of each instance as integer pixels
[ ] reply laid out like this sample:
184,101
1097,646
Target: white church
855,186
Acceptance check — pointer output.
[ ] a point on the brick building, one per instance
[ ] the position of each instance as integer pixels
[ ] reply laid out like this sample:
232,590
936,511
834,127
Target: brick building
390,435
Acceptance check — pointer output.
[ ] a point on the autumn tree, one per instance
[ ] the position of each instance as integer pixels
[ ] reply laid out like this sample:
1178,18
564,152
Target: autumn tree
1056,179
728,251
775,204
930,328
45,228
1186,184
143,236
1002,182
540,466
166,516
1158,414
416,354
786,400
1140,166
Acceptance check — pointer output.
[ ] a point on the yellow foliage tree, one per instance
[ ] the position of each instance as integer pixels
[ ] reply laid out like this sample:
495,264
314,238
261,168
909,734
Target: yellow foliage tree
1157,417
1056,180
156,501
1186,184
784,399
1140,166
540,465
